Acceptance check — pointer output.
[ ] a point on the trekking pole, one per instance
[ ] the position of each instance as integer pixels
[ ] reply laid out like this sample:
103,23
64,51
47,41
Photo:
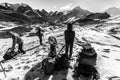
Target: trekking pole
61,49
3,69
43,37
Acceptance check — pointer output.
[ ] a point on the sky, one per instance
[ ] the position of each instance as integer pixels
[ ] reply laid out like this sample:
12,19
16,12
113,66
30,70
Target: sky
60,5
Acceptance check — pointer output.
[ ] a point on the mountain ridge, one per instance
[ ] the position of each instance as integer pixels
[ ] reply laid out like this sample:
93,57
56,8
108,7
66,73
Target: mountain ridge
30,15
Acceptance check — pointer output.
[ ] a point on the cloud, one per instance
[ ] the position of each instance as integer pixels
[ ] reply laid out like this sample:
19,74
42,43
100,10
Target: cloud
67,7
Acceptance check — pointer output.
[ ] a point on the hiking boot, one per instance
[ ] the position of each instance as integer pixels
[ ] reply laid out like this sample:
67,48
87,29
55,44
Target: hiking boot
69,58
24,52
21,51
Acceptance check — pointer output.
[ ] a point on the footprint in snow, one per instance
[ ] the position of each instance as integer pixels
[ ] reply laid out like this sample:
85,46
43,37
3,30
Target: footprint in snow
8,68
26,67
105,56
22,62
117,59
17,64
14,78
37,51
35,60
106,50
114,78
28,62
19,67
38,55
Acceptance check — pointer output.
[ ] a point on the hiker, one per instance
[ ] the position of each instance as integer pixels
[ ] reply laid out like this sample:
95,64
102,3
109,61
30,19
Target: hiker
69,35
88,52
39,34
86,62
53,43
16,40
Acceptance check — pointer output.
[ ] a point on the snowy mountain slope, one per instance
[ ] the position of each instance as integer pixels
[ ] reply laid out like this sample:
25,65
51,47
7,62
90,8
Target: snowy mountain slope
114,19
106,46
113,11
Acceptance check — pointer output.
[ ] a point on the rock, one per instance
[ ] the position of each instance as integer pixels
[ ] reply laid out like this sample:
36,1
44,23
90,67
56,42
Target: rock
98,16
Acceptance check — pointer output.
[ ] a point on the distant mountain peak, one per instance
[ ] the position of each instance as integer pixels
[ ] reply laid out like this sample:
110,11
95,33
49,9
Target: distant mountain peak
18,4
77,8
113,11
23,4
113,8
44,11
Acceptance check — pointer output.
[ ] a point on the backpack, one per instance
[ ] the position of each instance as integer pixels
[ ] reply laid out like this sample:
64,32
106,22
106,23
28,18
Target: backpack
48,65
9,54
85,70
61,62
86,63
88,57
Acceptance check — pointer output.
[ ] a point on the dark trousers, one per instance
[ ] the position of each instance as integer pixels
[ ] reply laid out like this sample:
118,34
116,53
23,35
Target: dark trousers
52,51
69,46
40,39
20,48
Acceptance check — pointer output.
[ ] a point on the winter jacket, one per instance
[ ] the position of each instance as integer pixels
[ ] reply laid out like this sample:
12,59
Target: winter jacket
69,36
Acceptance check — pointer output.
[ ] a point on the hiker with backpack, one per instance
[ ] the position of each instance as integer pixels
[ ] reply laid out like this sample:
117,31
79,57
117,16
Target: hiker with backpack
39,33
87,53
16,40
86,62
53,43
69,36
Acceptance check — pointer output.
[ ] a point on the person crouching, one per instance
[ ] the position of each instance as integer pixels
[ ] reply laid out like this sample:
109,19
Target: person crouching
16,40
53,43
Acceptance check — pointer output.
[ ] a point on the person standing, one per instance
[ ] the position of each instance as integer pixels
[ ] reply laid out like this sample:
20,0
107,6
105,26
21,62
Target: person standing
16,40
39,34
69,36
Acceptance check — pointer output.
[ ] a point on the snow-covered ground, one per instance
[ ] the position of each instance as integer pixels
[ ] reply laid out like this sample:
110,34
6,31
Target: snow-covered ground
106,46
114,19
